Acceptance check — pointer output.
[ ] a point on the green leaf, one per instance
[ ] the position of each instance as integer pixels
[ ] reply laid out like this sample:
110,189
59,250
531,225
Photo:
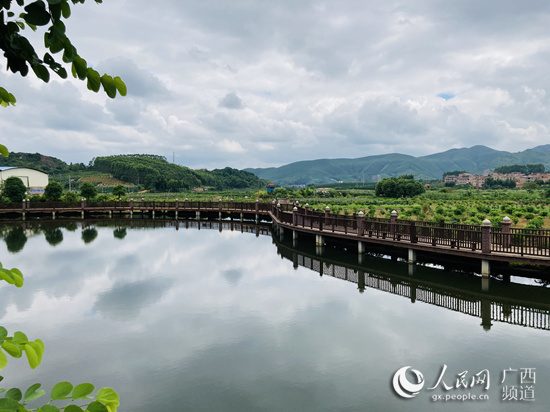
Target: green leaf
61,390
54,1
41,72
80,68
33,393
94,81
73,408
66,9
17,277
38,346
13,350
82,391
32,356
108,85
7,276
3,332
8,405
15,394
3,360
120,86
48,408
4,150
20,337
37,13
96,406
108,395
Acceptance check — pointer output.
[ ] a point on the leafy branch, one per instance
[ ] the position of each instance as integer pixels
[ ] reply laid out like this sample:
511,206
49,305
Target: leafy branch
20,53
106,399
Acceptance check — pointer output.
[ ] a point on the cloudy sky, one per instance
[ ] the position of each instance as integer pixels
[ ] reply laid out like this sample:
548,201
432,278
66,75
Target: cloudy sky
258,83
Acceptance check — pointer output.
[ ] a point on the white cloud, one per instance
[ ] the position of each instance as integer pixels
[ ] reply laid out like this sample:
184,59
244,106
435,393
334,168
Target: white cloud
309,81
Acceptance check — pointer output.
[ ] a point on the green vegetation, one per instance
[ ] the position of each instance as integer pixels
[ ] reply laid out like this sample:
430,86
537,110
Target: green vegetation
14,189
155,173
403,186
525,169
475,160
53,191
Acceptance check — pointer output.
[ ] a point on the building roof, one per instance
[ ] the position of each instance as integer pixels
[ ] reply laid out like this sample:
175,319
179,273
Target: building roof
4,168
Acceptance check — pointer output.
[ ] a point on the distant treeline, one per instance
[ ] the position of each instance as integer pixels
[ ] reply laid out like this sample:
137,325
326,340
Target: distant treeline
525,169
155,173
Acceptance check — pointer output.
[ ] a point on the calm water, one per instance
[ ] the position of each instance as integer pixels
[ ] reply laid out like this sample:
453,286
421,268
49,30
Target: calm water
203,320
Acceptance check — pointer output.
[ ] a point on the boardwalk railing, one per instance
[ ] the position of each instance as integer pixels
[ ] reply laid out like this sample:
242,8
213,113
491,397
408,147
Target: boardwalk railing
485,238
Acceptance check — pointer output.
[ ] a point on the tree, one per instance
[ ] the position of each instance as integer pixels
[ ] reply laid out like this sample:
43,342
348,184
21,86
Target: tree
53,191
119,191
20,53
403,186
88,190
14,189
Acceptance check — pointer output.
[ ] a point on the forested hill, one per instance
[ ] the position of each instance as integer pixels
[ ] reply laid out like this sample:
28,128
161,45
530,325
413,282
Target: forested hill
149,171
475,159
154,172
37,161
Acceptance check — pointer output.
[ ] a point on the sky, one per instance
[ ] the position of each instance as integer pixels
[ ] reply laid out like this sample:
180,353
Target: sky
258,83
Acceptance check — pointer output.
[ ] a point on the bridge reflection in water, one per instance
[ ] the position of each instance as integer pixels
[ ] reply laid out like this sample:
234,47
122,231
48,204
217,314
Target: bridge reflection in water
504,301
521,304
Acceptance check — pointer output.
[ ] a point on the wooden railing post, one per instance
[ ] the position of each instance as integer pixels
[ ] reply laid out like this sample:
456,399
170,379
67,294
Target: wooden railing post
295,216
414,239
486,236
186,203
506,224
360,223
131,203
257,205
177,204
220,204
393,223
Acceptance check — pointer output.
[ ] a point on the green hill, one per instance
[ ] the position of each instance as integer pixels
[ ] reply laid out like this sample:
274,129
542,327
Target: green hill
475,159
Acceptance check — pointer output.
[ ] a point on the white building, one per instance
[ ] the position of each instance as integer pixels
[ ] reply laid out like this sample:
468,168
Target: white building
35,180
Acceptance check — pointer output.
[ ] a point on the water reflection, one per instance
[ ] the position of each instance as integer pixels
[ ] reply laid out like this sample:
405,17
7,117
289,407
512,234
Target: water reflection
502,301
208,320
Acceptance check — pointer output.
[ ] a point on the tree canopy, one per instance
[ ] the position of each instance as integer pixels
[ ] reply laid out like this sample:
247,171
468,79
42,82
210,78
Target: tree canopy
402,186
14,189
525,169
20,53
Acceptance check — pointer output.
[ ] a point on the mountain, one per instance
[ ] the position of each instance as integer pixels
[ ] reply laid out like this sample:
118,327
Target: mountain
475,160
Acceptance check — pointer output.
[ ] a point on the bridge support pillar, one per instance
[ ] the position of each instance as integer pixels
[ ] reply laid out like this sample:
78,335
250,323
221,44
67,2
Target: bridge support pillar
281,233
361,281
220,215
295,260
153,214
131,214
294,238
412,269
242,217
360,247
24,215
485,268
110,214
319,240
486,314
53,215
412,256
176,215
82,214
257,218
198,215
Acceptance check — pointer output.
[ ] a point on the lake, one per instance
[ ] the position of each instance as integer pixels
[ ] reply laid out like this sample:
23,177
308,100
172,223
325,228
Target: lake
182,319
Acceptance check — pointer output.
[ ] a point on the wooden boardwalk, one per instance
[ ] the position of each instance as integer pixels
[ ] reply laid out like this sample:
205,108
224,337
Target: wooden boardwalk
485,243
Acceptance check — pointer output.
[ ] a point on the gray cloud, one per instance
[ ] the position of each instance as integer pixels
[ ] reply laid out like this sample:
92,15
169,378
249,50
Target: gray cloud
320,79
231,101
